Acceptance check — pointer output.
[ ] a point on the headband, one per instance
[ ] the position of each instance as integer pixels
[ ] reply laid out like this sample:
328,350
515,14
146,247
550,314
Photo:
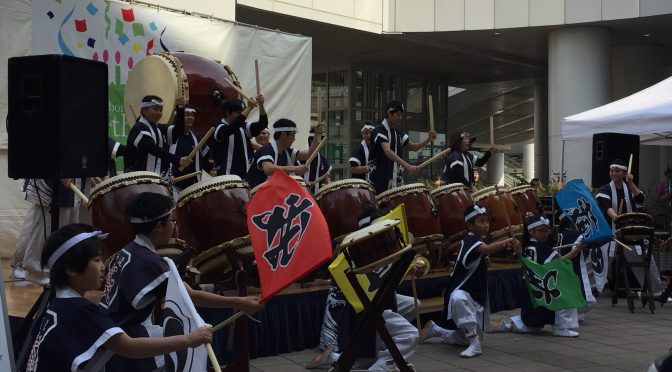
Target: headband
311,135
477,210
146,219
285,129
151,103
534,225
71,243
618,166
367,126
189,109
464,135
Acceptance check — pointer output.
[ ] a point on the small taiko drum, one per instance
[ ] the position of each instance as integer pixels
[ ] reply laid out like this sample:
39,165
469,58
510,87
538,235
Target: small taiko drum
634,227
451,201
213,266
500,206
374,246
527,201
342,202
212,212
422,217
174,75
174,248
300,180
108,201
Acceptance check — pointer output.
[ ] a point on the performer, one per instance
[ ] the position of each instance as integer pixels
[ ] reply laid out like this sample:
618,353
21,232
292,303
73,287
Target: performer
460,163
531,319
279,155
115,150
73,328
318,167
466,299
261,139
137,278
233,147
387,149
146,147
182,141
359,159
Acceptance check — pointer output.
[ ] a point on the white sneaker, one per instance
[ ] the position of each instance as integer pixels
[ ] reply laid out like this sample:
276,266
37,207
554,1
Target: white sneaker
429,331
19,272
505,325
565,333
38,277
474,348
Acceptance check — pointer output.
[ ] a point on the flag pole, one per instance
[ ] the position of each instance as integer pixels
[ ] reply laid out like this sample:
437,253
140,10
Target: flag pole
213,358
228,321
415,300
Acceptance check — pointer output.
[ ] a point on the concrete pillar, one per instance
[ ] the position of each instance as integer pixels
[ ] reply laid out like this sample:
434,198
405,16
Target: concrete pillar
529,161
540,165
495,173
578,80
635,67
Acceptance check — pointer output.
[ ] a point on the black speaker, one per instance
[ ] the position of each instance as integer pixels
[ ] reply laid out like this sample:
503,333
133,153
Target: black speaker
57,117
609,146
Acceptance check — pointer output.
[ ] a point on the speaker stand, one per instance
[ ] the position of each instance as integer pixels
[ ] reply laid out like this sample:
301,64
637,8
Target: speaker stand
54,209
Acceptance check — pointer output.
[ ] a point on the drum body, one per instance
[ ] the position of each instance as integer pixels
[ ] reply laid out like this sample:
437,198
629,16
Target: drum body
212,212
634,227
422,217
173,75
451,201
300,180
492,201
527,201
342,202
373,246
108,202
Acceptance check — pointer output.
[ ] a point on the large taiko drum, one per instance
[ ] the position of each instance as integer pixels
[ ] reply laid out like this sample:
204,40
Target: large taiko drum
342,202
300,180
422,216
108,200
174,75
212,212
492,201
451,201
527,201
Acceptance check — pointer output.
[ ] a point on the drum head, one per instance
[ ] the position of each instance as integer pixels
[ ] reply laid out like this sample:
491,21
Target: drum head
153,75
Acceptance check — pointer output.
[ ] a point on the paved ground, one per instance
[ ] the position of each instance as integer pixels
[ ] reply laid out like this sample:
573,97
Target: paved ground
611,339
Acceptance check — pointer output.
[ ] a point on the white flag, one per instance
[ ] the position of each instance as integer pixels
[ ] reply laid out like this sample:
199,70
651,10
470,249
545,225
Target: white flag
180,317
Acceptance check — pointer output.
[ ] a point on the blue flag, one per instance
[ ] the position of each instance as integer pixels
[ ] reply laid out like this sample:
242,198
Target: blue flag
576,202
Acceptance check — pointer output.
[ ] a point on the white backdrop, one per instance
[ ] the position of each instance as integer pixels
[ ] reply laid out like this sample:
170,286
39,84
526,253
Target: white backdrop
121,35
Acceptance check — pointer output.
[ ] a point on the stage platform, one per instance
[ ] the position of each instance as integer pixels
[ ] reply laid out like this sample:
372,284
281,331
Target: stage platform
291,321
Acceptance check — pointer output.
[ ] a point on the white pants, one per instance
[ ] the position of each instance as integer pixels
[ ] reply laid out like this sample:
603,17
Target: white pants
467,314
31,237
564,319
405,336
406,307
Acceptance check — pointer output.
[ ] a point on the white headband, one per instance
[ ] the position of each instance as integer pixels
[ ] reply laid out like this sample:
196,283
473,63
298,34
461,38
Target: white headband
534,225
151,103
311,135
71,243
285,129
150,219
618,166
477,210
367,126
189,109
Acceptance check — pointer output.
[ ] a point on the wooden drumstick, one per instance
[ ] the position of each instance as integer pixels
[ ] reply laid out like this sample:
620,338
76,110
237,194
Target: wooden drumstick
506,213
200,144
492,130
135,115
228,321
630,164
317,151
79,193
433,158
431,113
622,244
256,73
186,176
320,179
213,358
319,105
237,89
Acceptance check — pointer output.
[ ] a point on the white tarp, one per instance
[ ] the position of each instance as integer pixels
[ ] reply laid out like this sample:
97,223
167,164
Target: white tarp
99,29
647,113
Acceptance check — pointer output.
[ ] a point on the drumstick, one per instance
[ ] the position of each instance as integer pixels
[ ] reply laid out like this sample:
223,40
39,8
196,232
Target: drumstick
506,213
213,358
630,164
322,177
79,193
492,130
433,158
135,115
415,300
256,73
319,106
622,244
228,321
199,145
97,179
431,113
186,176
317,151
236,89
620,204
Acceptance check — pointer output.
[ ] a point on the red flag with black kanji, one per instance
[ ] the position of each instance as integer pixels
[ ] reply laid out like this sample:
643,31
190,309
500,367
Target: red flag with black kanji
288,232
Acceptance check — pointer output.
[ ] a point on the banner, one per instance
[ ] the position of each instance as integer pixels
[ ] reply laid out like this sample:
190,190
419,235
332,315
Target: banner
576,202
180,318
288,232
553,285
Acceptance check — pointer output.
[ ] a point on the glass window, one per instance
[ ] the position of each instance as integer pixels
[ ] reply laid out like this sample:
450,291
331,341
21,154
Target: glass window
415,94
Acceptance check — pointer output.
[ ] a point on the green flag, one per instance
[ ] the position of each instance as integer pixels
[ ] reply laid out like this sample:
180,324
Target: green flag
553,285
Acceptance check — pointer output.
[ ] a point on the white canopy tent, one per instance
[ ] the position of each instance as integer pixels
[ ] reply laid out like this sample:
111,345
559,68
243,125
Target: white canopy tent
647,113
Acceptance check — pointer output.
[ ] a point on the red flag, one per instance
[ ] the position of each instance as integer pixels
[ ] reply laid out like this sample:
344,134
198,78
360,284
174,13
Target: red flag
289,234
127,15
80,25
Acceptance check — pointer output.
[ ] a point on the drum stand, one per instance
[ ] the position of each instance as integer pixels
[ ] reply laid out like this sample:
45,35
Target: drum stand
620,267
372,316
242,363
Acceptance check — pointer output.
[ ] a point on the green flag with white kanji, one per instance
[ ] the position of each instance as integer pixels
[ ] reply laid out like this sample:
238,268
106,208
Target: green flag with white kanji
553,285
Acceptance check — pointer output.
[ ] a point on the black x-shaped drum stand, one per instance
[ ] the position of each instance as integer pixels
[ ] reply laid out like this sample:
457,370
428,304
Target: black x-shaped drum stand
372,316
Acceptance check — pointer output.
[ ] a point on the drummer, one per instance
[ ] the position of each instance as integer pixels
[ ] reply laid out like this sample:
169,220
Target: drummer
359,159
279,155
319,167
146,146
182,141
387,150
233,146
460,163
261,139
